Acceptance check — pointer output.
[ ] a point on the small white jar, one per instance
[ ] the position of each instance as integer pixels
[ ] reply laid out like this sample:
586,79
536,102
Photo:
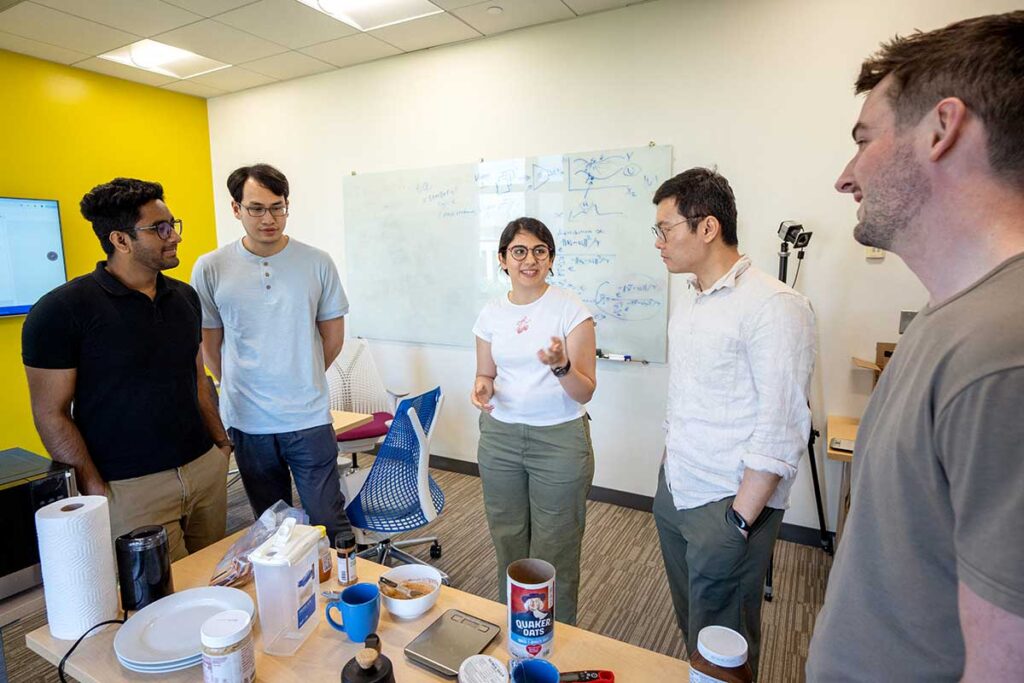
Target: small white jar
482,669
228,653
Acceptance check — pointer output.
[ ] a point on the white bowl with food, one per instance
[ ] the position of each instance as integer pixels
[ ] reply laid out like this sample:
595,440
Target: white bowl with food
418,588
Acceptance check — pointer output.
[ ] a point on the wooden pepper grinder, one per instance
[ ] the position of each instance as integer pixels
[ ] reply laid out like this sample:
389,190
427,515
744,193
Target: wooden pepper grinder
369,665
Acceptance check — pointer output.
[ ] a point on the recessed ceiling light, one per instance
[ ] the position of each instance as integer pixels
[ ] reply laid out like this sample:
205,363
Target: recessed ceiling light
164,59
367,15
494,10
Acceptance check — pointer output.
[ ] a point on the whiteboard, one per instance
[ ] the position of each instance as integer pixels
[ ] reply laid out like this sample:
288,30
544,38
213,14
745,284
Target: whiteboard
422,244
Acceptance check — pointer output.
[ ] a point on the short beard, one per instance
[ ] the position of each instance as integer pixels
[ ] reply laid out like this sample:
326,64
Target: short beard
900,191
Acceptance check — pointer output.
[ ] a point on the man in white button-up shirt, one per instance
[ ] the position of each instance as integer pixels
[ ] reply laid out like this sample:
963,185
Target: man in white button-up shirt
741,354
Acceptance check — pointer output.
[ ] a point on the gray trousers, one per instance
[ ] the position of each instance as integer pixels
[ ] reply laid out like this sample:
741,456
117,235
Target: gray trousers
536,481
715,576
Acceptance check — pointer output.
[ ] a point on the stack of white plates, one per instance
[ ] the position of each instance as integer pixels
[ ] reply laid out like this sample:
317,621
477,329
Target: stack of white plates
164,636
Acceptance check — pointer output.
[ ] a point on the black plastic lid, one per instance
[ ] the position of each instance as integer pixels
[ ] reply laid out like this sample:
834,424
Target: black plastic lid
344,540
143,538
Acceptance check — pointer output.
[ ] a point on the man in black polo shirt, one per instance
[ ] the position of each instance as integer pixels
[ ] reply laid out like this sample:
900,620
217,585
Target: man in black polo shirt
116,376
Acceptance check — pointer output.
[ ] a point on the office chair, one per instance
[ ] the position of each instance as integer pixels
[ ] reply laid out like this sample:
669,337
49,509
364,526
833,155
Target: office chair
397,493
356,386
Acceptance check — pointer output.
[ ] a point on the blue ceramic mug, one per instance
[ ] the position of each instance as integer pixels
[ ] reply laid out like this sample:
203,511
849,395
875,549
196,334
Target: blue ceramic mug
360,611
534,671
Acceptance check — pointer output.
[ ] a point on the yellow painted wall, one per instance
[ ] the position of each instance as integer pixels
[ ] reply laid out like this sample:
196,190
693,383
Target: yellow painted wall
65,130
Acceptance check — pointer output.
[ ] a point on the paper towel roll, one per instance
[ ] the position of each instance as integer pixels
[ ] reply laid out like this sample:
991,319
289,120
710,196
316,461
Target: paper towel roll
77,557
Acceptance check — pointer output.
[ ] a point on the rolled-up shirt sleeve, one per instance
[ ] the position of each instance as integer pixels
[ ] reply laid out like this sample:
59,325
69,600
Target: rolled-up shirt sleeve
781,348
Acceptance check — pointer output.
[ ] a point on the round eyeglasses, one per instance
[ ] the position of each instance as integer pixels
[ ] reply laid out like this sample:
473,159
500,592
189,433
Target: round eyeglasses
662,232
540,252
163,228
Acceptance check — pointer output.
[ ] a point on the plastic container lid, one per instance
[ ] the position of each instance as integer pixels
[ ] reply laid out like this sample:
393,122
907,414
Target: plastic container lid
722,646
482,669
225,629
322,529
288,546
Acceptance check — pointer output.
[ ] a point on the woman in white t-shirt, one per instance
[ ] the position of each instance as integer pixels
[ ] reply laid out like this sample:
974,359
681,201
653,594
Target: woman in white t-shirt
535,370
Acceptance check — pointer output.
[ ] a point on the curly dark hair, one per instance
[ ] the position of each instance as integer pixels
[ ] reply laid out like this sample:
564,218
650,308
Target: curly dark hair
701,192
531,226
980,61
115,206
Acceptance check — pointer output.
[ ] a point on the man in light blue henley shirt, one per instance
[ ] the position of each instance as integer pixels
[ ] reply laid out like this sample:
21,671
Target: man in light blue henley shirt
273,322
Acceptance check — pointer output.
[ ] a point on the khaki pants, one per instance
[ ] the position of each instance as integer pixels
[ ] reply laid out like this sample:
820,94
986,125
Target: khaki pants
190,502
536,481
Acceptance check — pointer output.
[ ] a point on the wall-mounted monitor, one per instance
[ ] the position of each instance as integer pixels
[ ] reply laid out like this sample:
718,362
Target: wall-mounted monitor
31,252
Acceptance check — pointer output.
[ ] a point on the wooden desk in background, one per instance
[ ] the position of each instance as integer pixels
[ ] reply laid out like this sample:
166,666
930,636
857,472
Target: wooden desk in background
343,421
840,427
323,655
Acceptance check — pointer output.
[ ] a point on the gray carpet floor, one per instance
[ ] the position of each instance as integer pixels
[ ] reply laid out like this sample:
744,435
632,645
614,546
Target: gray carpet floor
623,593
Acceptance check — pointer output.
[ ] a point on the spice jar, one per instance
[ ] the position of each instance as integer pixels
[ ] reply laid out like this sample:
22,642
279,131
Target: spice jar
721,657
326,563
345,543
227,642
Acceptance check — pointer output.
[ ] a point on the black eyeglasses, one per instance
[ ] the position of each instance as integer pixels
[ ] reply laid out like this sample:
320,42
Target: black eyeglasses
164,228
659,231
540,252
259,211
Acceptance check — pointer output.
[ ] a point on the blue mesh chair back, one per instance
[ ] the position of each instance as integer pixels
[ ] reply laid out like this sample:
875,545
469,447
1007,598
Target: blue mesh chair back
389,500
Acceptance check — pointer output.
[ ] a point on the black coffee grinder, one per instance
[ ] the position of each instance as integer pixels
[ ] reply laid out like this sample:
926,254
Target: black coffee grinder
143,566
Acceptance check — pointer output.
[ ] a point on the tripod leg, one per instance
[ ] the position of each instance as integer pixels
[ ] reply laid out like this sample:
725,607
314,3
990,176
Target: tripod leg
826,540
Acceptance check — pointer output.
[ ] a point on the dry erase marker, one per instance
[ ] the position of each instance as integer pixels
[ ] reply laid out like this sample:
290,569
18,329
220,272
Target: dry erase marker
618,356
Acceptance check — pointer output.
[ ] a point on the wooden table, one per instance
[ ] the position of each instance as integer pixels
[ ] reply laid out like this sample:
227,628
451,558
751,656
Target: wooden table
323,655
343,421
840,427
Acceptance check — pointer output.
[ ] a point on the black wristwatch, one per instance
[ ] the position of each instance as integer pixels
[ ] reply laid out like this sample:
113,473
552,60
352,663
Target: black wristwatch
562,371
737,519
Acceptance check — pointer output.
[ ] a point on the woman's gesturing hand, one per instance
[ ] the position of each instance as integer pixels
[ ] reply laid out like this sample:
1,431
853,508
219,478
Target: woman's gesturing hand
554,355
483,390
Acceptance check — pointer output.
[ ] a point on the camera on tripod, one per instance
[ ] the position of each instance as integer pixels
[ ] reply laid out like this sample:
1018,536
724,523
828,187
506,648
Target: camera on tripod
794,233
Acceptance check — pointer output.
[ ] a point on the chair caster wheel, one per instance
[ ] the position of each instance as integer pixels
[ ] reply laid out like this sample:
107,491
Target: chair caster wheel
435,550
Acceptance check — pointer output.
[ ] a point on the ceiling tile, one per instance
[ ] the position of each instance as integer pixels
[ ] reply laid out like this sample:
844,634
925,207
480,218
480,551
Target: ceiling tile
514,15
288,65
218,41
33,48
453,4
588,6
46,25
141,17
191,88
232,79
426,32
286,22
105,66
209,8
352,50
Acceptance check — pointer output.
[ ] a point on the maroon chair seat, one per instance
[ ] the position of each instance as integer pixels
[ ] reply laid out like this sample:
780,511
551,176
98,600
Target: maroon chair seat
371,430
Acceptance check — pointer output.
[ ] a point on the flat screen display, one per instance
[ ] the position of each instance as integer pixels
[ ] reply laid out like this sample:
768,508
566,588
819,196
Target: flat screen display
31,252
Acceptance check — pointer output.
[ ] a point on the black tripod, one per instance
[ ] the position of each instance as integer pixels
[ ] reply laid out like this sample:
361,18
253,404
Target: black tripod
792,233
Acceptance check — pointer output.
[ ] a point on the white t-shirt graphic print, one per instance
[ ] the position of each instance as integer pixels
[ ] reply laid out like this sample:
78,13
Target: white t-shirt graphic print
525,391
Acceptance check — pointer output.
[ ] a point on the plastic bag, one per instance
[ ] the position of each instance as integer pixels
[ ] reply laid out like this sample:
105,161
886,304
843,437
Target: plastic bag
235,569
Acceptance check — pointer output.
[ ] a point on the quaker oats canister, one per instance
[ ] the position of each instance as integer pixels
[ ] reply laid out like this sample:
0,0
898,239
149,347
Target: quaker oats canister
531,608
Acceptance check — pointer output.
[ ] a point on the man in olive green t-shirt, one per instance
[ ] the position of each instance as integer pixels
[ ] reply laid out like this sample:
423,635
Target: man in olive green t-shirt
928,583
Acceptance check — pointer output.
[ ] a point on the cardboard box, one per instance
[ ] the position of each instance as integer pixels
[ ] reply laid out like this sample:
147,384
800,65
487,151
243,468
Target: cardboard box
883,352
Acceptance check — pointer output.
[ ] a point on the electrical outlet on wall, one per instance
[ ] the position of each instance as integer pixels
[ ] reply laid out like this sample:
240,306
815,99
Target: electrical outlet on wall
874,254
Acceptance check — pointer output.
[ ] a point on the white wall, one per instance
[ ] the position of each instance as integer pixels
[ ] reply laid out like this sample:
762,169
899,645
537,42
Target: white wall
762,89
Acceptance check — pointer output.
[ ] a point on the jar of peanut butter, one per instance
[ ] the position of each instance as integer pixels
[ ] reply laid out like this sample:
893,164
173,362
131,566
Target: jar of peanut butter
721,657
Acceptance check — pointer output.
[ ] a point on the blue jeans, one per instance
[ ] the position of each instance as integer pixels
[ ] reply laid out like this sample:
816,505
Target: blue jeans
264,461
